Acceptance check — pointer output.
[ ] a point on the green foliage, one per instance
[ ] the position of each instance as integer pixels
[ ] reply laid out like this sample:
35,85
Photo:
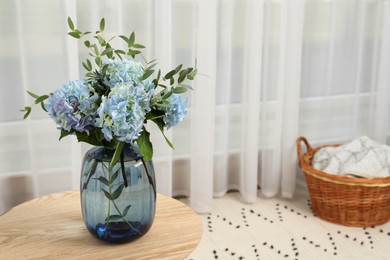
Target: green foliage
101,48
144,145
38,100
117,154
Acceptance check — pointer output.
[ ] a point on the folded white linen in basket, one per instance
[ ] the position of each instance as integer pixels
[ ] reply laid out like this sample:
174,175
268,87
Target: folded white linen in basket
362,157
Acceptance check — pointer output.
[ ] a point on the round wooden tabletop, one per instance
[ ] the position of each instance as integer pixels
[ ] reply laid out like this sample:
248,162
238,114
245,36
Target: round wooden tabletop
51,227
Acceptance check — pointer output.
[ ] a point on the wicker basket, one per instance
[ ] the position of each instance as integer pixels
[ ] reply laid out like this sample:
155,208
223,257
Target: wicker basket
344,200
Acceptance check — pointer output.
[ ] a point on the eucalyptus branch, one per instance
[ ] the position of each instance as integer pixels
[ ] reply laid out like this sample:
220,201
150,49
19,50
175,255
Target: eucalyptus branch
38,100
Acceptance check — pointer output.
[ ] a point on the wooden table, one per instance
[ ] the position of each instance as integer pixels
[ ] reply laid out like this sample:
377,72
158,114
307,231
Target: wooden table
51,227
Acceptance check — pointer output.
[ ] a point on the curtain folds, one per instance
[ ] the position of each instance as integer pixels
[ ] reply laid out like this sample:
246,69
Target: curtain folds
269,71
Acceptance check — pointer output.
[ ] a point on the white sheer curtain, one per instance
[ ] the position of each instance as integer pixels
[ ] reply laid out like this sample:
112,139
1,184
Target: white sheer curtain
271,70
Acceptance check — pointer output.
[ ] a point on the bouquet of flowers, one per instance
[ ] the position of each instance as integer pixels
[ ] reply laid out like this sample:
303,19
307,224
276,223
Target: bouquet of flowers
118,96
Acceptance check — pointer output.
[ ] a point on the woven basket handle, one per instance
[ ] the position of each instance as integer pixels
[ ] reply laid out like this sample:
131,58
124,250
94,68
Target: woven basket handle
299,149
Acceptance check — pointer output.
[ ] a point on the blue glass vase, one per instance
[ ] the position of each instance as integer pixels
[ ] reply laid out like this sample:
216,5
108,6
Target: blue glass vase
118,204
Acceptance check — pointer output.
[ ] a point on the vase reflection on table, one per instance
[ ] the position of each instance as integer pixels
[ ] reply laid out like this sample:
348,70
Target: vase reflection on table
118,204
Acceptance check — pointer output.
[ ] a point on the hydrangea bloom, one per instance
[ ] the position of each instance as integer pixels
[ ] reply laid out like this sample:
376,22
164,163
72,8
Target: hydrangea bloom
176,112
124,72
122,113
72,106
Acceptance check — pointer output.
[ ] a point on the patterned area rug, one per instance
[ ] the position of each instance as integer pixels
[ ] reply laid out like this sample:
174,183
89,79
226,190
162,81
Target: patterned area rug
279,228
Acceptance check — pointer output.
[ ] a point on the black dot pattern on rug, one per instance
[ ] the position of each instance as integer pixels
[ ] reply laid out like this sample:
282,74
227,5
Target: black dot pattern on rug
369,238
256,252
245,213
209,223
380,231
277,208
367,241
285,208
254,238
294,247
215,254
323,248
211,218
233,255
281,254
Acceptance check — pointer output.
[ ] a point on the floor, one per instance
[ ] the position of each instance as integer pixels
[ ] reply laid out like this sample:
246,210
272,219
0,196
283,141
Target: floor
280,228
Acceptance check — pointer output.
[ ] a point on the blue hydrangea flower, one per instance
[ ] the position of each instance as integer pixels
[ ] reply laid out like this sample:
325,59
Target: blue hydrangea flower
125,72
122,113
176,112
72,106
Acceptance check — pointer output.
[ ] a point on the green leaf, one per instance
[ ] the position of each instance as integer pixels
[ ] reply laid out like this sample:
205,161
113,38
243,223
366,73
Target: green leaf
138,46
124,38
102,24
64,133
178,68
70,24
107,194
160,123
170,74
89,139
191,76
167,95
131,39
107,50
98,61
114,176
113,37
41,98
144,145
104,70
110,53
182,76
43,107
117,192
155,113
116,155
97,134
163,106
188,87
101,40
179,90
90,75
132,53
158,75
28,111
85,66
126,210
87,44
113,217
172,81
151,66
155,82
89,65
119,52
95,49
104,180
32,94
92,169
146,74
75,35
